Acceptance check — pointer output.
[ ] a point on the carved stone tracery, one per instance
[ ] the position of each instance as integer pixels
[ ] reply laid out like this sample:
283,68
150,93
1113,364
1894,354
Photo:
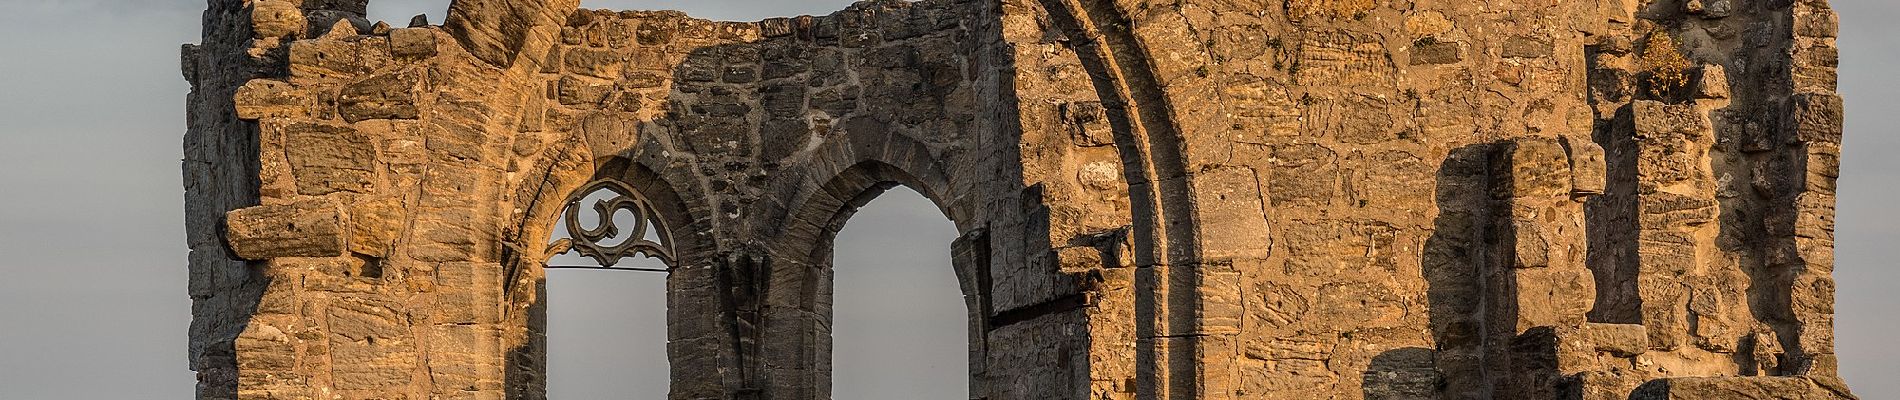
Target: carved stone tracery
590,242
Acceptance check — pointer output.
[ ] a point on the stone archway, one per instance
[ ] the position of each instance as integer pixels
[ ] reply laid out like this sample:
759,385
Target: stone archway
1158,199
688,256
797,308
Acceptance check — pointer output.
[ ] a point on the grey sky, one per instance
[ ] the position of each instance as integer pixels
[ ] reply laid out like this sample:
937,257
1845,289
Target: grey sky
92,279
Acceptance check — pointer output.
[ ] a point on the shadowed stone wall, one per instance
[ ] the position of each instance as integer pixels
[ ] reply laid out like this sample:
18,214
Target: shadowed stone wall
1167,199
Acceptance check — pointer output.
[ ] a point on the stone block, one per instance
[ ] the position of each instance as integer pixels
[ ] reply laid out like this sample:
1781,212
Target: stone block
385,96
465,358
1528,47
1712,83
497,31
414,42
1538,168
1303,174
1233,222
265,98
313,228
328,158
276,19
1430,51
1403,374
1736,388
376,225
1817,117
1621,340
1087,123
1589,172
468,292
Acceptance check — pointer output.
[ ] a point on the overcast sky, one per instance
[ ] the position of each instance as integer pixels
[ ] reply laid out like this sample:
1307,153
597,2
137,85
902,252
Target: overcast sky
92,278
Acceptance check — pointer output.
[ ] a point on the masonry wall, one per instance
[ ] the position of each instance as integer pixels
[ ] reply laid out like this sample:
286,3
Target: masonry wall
1158,199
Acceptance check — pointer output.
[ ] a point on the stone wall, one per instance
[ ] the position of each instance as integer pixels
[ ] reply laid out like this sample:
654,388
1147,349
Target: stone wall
1174,199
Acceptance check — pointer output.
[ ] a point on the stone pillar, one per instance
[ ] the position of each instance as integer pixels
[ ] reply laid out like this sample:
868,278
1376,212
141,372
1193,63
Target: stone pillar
1677,206
1803,212
1537,283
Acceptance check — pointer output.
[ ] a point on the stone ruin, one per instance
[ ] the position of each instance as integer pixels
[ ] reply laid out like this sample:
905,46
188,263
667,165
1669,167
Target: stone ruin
1158,199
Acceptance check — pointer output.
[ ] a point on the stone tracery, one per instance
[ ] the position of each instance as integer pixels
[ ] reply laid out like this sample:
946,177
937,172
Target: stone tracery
591,242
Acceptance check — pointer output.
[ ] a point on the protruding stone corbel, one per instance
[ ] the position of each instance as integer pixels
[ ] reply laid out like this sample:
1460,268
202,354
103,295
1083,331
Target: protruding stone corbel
265,98
313,228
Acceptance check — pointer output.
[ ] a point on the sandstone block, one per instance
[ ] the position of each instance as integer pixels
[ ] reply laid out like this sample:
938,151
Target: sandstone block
1736,388
1538,168
497,31
265,98
276,19
375,226
1712,83
413,42
1528,47
386,96
1589,172
328,158
1818,117
1621,340
312,228
1233,219
1434,52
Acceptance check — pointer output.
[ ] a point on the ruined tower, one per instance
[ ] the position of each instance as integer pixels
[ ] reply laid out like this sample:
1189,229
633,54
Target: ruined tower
1158,199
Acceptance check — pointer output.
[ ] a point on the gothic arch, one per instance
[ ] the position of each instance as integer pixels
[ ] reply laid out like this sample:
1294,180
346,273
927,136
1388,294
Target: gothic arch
568,169
1162,190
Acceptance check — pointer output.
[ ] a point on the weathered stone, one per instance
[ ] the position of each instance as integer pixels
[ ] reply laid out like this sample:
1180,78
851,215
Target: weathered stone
386,96
1088,124
412,42
1737,388
1622,340
1528,47
313,228
1430,51
376,225
498,31
1589,171
1211,199
1713,83
1817,117
276,18
1538,168
1234,210
326,158
264,98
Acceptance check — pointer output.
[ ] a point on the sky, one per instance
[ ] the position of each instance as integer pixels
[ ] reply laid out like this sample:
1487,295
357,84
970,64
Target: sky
92,276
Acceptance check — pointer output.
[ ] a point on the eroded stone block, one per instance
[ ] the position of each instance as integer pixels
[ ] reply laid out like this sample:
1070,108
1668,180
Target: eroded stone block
312,228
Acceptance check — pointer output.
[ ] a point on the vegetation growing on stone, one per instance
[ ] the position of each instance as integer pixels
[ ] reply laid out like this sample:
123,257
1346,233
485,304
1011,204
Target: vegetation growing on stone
1663,59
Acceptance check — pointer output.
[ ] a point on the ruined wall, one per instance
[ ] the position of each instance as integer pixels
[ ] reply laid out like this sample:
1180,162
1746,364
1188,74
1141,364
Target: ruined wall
1159,199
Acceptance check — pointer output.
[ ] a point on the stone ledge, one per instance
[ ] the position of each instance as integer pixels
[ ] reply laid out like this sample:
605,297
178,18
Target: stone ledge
1738,388
313,228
